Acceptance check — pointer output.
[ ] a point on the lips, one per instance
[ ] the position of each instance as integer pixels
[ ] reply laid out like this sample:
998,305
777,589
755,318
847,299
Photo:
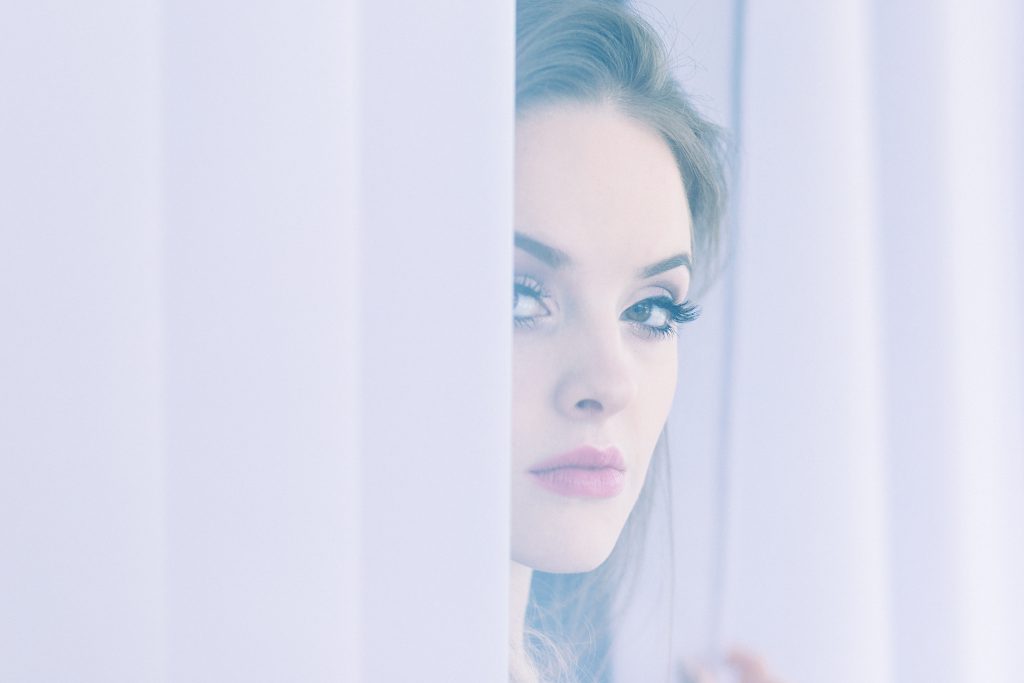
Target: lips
584,472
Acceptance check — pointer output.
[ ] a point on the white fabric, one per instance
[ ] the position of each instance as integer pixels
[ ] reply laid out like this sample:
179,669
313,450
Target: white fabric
874,468
241,243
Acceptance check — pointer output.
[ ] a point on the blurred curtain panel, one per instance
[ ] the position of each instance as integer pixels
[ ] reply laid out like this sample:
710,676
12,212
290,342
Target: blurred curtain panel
82,535
879,371
873,343
253,382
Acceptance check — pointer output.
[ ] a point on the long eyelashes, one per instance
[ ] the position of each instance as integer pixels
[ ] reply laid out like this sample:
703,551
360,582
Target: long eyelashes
528,301
659,317
685,312
653,317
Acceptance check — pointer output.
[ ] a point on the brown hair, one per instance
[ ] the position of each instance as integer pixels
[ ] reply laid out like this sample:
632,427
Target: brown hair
594,51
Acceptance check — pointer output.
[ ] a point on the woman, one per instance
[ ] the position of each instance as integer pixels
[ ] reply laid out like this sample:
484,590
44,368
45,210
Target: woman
618,199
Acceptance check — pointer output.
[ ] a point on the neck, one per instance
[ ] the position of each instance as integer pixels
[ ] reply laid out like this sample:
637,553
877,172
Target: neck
520,668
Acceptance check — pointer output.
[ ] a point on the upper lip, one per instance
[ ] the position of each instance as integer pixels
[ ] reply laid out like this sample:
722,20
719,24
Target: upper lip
584,457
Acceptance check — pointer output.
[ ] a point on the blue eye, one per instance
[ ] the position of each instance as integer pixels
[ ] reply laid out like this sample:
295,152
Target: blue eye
528,302
660,316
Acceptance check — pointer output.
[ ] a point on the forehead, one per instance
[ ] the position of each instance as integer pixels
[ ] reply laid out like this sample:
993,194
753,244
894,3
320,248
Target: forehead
599,185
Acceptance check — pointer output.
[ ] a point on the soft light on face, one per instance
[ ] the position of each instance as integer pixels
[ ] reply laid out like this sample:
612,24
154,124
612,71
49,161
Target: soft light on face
601,273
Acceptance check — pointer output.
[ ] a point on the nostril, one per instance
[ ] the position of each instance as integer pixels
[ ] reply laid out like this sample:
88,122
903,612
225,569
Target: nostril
588,404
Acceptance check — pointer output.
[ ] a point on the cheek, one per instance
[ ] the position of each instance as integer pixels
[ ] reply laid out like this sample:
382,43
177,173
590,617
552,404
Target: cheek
652,409
658,380
531,386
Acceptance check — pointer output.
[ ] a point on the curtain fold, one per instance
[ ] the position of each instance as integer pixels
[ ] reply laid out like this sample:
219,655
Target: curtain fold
81,469
255,375
873,422
254,381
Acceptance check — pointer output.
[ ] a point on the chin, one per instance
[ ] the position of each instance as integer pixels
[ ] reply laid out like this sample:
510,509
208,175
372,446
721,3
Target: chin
574,565
569,553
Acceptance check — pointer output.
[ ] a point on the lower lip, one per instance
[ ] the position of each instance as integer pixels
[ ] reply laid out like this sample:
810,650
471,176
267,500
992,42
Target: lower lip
582,482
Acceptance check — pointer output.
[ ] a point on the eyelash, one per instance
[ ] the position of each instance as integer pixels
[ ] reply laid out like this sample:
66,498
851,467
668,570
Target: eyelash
527,286
678,313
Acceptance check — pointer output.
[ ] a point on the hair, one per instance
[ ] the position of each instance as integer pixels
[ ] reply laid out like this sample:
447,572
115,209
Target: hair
602,52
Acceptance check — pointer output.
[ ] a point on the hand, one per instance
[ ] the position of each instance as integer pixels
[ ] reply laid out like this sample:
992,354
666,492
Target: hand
742,666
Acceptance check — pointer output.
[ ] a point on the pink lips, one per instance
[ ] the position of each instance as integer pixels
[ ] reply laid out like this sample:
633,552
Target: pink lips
584,472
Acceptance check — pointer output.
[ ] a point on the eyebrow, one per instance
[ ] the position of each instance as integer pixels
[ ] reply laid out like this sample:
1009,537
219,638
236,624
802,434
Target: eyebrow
667,264
556,258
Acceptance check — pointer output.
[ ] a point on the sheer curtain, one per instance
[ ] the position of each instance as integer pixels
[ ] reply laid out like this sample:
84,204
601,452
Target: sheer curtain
254,375
254,266
849,444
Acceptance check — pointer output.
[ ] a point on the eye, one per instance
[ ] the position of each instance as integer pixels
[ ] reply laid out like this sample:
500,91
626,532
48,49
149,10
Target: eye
528,302
659,316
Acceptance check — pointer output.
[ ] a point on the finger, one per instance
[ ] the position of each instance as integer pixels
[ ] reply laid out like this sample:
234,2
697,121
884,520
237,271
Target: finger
749,666
690,673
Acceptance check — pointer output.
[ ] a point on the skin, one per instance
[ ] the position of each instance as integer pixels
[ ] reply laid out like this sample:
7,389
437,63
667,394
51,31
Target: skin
743,667
603,190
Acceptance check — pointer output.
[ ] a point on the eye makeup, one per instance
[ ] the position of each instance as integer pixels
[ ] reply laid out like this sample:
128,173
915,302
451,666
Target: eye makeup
528,301
653,317
659,316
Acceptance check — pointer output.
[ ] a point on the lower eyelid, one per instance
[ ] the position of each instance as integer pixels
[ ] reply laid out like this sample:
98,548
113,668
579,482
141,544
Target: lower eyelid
655,333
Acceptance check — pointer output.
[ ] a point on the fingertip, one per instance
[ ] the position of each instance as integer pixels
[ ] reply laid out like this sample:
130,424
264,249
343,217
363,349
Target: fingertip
749,664
693,673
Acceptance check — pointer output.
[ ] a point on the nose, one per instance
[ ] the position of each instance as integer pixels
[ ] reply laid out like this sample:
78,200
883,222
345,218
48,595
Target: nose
598,379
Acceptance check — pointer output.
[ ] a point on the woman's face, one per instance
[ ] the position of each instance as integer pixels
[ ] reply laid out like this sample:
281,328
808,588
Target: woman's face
603,235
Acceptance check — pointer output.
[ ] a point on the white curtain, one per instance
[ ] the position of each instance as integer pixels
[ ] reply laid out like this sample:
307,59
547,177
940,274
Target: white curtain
254,369
856,394
241,243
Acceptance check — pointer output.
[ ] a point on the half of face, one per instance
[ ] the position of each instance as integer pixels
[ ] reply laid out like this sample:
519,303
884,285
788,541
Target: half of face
603,247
